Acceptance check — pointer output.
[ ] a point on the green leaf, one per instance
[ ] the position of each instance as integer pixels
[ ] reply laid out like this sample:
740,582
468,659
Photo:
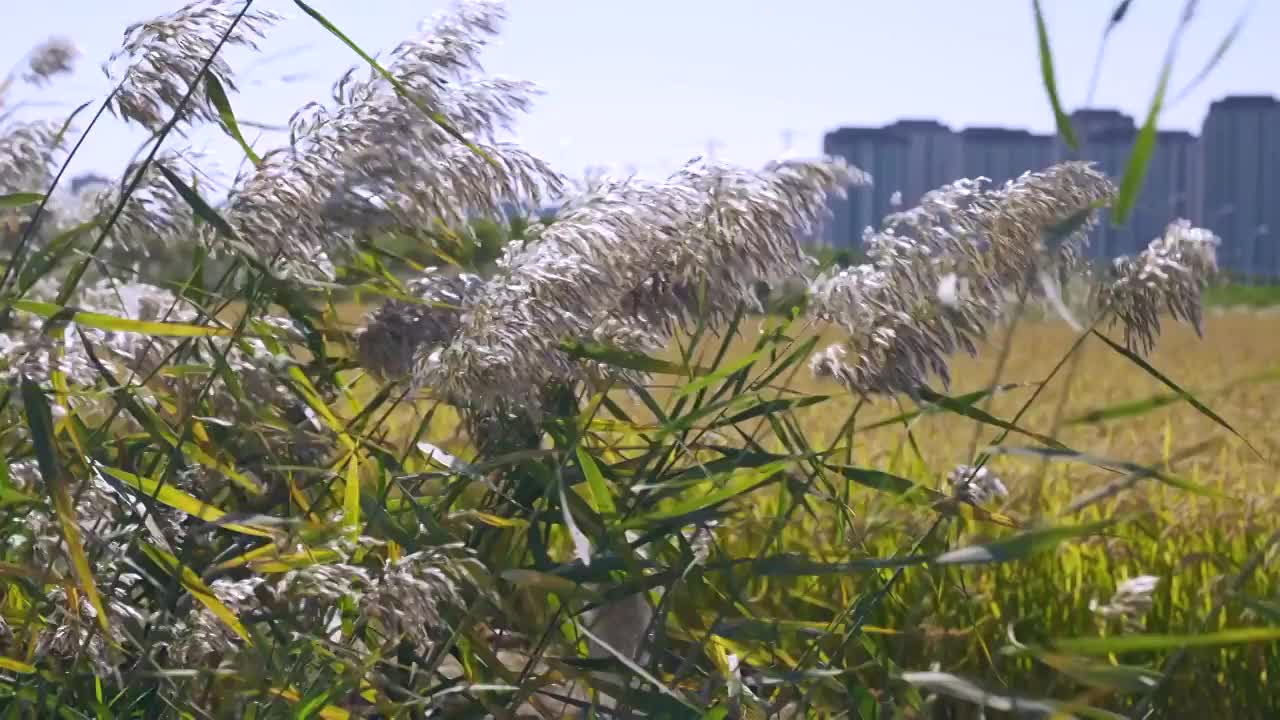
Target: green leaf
40,422
1123,410
202,209
179,500
1124,678
20,199
601,498
1139,642
1019,546
973,413
1218,53
16,666
1050,80
966,399
1145,144
60,314
883,481
1122,466
769,407
197,588
351,495
616,357
436,117
1191,399
739,482
721,373
218,98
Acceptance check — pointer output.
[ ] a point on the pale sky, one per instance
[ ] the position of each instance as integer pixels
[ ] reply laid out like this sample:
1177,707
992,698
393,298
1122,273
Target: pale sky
646,84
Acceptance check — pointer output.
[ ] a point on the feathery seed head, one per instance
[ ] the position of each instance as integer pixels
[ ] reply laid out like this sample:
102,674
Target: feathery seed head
1132,600
55,56
940,272
164,57
399,328
375,160
1170,274
27,150
976,485
626,254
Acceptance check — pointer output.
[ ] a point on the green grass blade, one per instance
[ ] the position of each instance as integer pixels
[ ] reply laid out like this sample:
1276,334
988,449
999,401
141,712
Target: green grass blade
982,416
720,373
740,483
1191,399
883,481
770,407
218,98
635,668
1124,678
965,399
1218,53
1157,642
601,498
1122,466
616,357
1050,80
581,545
1117,16
20,199
60,314
202,209
1145,144
1019,546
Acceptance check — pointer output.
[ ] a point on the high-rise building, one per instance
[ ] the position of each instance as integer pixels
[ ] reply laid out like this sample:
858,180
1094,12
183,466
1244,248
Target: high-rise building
933,157
1241,200
882,154
1106,138
1227,180
1002,154
1169,191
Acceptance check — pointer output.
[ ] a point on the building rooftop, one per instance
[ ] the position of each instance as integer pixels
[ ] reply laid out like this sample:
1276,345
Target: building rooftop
918,124
1245,102
1000,133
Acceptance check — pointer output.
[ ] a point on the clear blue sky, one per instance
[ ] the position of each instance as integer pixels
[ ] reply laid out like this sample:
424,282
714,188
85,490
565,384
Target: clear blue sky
646,84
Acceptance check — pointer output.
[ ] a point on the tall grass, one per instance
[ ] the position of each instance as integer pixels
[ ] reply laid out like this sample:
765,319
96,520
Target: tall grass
576,469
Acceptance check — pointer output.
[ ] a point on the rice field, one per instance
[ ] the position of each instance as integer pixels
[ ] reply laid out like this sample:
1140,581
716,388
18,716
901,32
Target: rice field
1100,404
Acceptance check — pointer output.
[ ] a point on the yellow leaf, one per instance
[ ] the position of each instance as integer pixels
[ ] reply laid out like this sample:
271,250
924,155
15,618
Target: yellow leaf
198,589
328,712
40,420
351,498
179,500
16,666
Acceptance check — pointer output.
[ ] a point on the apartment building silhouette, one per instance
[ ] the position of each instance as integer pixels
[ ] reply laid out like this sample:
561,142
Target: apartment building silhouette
1227,179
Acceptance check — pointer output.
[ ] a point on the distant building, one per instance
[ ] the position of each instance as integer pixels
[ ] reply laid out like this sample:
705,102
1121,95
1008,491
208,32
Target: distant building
1170,189
932,157
1002,154
1106,138
1227,180
1241,199
877,151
